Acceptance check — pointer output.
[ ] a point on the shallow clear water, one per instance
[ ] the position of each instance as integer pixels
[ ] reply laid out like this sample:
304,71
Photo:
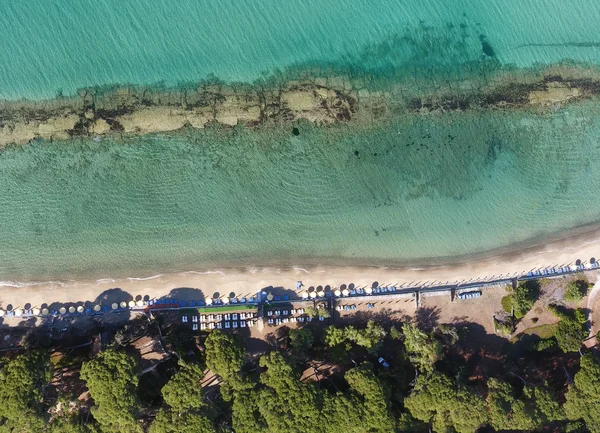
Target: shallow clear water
414,188
418,187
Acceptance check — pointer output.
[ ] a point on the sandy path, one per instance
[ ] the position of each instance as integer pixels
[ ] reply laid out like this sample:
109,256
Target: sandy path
594,308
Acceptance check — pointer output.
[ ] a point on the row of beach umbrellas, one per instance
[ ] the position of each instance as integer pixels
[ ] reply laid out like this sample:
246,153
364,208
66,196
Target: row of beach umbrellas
336,293
63,310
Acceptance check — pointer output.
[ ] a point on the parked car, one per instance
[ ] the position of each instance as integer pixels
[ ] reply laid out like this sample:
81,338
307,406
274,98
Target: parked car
383,362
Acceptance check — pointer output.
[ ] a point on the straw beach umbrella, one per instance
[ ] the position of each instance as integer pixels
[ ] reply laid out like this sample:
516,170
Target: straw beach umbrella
313,295
225,300
62,310
304,295
115,306
97,308
71,310
368,290
123,304
320,293
18,312
140,303
2,313
345,292
131,304
80,309
36,311
209,301
45,312
337,293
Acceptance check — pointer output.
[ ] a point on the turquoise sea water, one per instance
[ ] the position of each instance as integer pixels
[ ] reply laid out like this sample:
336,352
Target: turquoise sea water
51,45
414,188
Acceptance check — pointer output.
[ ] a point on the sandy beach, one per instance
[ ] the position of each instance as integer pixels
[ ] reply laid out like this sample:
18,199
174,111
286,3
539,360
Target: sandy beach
246,282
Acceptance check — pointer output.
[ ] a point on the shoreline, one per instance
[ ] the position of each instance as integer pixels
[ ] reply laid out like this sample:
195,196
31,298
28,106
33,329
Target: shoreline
198,284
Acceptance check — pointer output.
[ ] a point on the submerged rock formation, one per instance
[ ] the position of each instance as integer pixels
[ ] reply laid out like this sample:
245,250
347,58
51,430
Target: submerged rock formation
321,100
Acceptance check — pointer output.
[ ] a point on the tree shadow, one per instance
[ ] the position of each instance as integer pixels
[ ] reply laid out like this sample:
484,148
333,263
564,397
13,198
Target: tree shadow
111,296
427,318
186,294
283,294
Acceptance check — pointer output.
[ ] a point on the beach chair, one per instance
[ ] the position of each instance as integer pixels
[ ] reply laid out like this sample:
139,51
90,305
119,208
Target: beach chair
286,298
182,304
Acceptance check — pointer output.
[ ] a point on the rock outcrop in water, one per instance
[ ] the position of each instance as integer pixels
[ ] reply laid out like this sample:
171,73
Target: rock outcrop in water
144,110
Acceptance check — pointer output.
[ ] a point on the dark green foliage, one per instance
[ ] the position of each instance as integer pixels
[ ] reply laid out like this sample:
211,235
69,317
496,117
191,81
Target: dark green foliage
524,296
286,404
373,401
571,330
370,337
169,422
112,379
507,303
22,384
225,355
576,290
246,417
583,397
69,425
183,396
301,339
535,408
183,393
423,349
446,405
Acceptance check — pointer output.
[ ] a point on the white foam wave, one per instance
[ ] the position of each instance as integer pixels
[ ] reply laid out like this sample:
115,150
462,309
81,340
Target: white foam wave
105,281
203,272
19,284
153,277
302,270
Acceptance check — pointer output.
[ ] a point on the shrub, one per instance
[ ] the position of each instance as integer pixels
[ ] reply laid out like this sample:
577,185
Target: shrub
524,297
507,303
576,290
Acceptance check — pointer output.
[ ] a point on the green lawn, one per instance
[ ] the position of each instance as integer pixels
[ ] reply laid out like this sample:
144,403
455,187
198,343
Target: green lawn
542,331
223,309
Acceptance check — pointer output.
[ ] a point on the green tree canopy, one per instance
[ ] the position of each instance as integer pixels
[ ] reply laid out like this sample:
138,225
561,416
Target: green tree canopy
246,417
22,383
372,399
583,397
524,296
183,392
225,356
423,349
286,404
576,290
112,379
301,339
370,337
446,405
168,421
571,330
